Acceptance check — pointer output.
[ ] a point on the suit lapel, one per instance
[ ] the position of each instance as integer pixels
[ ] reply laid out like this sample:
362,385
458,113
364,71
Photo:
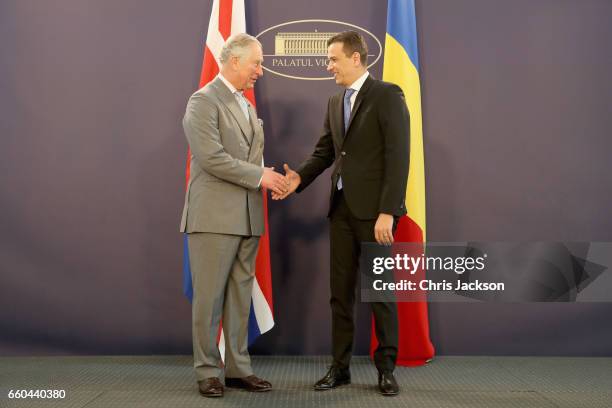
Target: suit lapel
256,147
229,100
254,124
337,120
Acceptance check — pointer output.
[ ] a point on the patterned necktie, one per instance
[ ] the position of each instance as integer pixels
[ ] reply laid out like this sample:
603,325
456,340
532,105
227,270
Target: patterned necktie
243,104
347,107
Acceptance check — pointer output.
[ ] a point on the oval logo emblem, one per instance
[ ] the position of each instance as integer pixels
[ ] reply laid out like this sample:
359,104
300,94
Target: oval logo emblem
298,49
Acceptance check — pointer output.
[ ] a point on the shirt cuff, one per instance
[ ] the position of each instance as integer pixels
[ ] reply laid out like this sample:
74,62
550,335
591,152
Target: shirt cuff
262,165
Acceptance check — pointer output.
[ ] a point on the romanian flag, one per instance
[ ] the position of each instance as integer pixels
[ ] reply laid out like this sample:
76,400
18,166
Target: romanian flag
401,67
228,18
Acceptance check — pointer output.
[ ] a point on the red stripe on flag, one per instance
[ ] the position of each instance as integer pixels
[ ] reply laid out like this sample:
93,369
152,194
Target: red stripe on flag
415,347
209,68
225,18
188,169
408,231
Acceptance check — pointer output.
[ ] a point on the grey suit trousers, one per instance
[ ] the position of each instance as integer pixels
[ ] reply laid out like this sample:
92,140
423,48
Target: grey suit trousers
222,271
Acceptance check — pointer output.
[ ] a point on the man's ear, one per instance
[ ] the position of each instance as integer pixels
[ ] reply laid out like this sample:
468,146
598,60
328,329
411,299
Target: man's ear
235,62
356,58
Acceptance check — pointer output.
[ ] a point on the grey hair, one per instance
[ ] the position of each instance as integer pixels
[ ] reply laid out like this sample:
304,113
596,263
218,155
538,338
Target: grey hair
237,46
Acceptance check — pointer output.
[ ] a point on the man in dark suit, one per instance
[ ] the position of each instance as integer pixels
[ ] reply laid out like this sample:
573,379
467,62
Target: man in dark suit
366,139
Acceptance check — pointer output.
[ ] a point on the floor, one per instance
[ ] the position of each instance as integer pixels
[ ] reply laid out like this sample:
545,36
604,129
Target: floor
168,381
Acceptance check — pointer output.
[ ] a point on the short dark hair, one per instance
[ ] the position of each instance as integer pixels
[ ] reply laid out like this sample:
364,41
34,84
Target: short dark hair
352,42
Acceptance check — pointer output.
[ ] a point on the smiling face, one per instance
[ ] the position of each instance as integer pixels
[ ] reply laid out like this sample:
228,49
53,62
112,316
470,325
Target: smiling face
346,69
248,68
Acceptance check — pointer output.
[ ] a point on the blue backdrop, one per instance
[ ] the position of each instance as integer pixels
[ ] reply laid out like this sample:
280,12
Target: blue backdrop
517,140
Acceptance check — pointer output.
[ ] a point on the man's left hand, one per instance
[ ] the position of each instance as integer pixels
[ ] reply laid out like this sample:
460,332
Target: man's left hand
383,230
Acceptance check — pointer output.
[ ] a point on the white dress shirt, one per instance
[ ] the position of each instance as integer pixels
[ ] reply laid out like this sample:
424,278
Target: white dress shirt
357,87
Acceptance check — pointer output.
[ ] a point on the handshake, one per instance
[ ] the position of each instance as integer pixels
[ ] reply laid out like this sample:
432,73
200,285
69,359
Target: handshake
280,186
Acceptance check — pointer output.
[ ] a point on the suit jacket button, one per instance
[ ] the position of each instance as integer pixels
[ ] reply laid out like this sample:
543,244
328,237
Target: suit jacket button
343,153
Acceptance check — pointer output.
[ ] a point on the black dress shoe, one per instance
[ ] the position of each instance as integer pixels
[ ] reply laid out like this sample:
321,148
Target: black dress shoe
211,387
333,378
251,383
387,385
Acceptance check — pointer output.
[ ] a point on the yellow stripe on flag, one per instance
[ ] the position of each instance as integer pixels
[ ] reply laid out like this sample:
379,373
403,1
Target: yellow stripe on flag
398,69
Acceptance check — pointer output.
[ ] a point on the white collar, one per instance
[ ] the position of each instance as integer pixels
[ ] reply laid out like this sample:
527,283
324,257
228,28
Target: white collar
359,82
227,83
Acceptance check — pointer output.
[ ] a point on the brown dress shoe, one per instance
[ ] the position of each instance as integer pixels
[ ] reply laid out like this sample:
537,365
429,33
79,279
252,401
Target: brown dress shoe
211,387
251,383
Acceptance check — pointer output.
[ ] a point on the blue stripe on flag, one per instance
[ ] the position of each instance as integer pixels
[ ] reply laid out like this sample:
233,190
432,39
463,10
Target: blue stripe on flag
187,288
254,332
401,25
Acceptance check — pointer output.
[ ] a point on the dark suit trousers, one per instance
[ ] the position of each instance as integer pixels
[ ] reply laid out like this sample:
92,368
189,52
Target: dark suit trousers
346,235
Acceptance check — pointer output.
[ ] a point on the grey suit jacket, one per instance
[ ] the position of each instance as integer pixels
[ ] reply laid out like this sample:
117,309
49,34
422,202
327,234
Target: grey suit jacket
223,194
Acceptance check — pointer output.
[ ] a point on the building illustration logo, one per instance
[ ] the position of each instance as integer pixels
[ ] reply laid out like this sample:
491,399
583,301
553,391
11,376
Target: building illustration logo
300,47
301,43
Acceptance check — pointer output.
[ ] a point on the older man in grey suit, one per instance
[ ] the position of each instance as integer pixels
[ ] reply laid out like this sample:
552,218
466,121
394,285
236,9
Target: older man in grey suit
223,215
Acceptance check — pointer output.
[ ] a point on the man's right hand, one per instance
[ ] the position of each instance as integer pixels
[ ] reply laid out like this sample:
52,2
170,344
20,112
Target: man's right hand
274,181
293,181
